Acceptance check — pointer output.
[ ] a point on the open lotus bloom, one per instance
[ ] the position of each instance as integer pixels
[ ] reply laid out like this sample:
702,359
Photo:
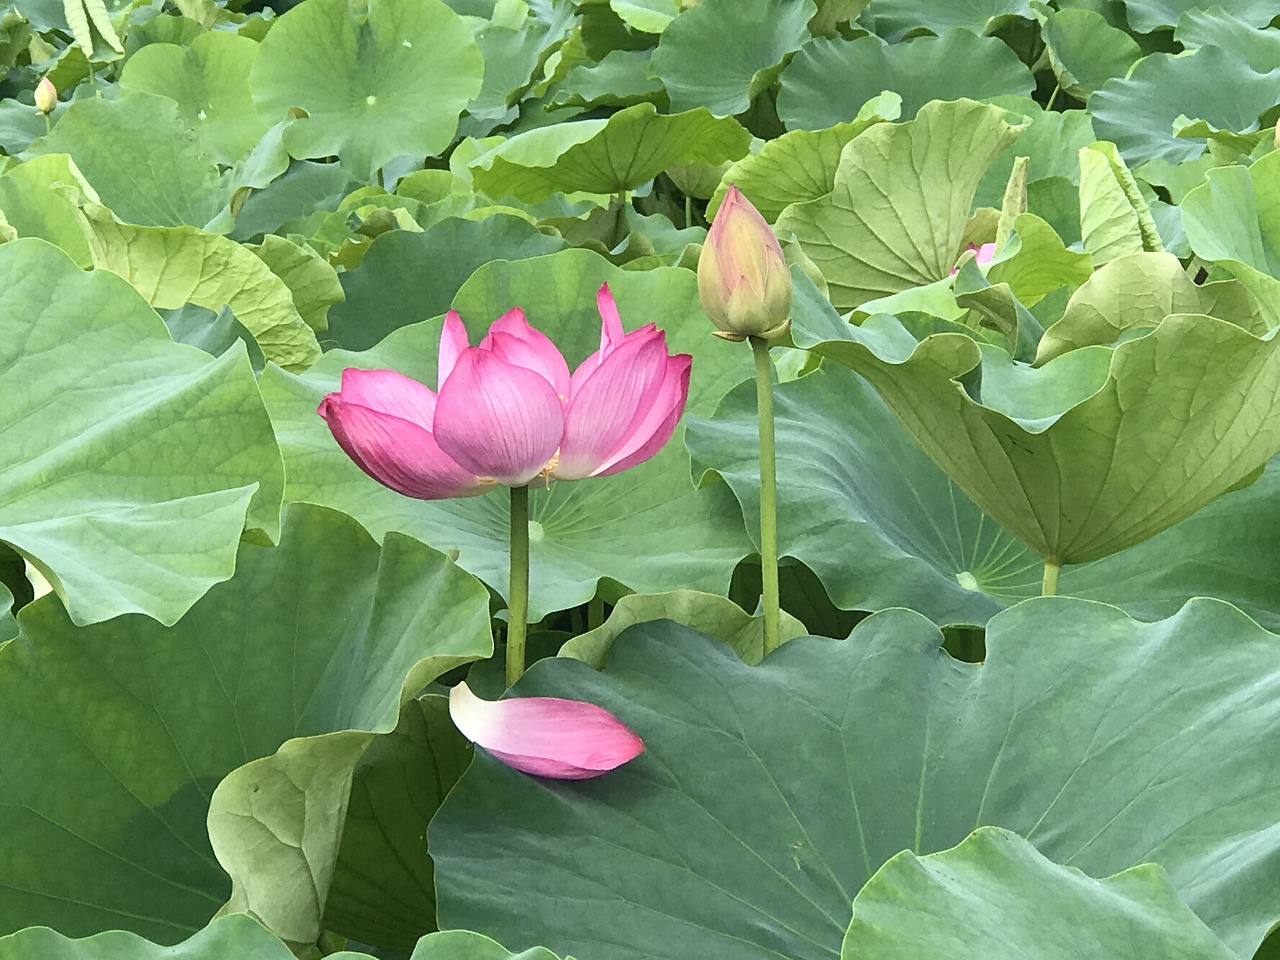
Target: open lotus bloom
509,411
545,736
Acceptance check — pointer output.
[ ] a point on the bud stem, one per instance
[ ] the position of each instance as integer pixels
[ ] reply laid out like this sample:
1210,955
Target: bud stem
518,591
1049,583
768,492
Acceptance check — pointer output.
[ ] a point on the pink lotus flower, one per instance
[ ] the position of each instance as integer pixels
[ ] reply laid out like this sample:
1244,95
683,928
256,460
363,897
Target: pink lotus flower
982,254
509,411
545,736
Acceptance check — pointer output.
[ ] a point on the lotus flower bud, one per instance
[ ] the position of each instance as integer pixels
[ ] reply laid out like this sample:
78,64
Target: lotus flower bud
46,96
743,280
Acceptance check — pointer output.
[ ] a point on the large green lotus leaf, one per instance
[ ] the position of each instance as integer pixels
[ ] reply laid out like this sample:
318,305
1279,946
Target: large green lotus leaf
896,216
172,266
382,891
800,165
1096,450
1050,142
892,18
389,83
1137,112
391,289
1233,220
313,284
512,52
708,613
647,16
234,937
855,484
464,945
1215,27
1148,15
40,198
1036,262
1084,50
1137,292
767,796
140,139
321,638
851,484
1114,217
829,80
721,53
127,462
996,896
209,79
620,527
306,188
621,79
606,156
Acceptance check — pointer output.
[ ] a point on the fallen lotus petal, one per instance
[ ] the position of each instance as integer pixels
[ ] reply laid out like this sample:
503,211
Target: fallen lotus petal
545,736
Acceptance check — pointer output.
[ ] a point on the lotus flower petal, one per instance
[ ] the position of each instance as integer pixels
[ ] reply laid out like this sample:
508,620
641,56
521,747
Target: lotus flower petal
397,452
652,433
617,408
497,419
545,736
512,339
391,392
453,340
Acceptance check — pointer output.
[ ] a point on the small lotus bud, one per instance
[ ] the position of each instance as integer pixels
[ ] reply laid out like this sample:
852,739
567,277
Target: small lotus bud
46,96
743,280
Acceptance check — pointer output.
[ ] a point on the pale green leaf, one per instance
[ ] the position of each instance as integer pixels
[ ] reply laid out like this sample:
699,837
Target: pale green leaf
713,615
606,156
896,216
829,80
172,266
995,894
364,82
209,79
127,462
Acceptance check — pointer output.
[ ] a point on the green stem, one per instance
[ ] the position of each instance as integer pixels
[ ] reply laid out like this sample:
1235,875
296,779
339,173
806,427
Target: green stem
48,124
1052,97
1049,584
768,492
688,211
518,598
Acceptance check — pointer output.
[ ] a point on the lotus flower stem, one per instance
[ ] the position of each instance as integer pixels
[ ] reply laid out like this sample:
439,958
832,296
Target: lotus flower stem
768,492
518,592
1049,585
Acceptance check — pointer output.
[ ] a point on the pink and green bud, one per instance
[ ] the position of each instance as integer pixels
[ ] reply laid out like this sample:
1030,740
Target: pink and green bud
545,736
46,96
743,280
